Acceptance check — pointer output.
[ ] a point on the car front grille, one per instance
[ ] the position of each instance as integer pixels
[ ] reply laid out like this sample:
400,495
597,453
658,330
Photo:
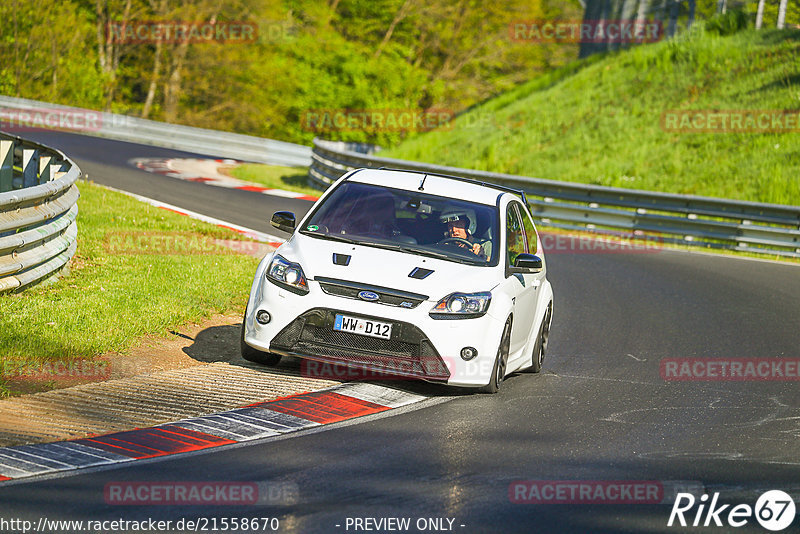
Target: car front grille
386,296
322,335
407,353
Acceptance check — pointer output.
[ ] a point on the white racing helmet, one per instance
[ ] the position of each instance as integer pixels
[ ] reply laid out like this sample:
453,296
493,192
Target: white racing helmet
458,214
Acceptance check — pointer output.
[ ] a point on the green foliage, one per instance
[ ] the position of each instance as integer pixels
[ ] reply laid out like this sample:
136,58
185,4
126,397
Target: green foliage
771,13
599,121
407,55
728,23
48,53
112,298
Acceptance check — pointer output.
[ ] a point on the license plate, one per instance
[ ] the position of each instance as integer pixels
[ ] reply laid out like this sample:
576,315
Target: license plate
365,327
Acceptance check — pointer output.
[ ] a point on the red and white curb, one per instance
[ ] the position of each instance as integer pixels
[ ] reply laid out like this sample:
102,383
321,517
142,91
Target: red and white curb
207,171
256,421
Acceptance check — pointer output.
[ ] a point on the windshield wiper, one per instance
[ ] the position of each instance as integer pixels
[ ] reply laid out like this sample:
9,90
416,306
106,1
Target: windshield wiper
332,237
429,253
393,246
440,255
337,237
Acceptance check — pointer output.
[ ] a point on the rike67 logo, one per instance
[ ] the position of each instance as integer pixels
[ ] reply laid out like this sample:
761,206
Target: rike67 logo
774,510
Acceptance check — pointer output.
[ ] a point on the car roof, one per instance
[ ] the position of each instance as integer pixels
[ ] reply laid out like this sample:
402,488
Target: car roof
434,184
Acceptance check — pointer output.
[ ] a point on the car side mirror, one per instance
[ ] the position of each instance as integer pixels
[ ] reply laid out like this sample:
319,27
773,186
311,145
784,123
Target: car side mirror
527,263
283,220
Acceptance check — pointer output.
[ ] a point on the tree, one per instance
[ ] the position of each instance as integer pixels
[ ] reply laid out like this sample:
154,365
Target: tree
596,11
782,15
673,18
760,14
109,50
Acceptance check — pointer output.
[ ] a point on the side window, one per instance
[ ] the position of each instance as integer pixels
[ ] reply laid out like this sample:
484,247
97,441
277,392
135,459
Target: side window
515,237
530,231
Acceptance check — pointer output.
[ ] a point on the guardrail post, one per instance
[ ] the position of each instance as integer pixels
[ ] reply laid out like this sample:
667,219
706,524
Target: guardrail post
30,167
6,165
45,169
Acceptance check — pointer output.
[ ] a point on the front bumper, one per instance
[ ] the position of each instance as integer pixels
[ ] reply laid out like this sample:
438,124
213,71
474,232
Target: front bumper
420,347
408,353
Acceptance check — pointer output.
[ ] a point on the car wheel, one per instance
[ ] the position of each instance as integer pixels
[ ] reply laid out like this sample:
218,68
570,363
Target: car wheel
540,349
253,355
499,369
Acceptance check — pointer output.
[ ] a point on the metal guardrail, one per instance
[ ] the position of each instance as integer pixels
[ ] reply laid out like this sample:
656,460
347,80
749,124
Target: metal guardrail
685,219
38,208
162,134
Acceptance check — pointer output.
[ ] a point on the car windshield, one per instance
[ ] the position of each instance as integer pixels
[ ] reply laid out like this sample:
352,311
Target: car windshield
411,221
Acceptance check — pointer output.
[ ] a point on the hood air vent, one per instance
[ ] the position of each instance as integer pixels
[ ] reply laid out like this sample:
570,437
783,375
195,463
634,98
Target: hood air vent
341,259
419,273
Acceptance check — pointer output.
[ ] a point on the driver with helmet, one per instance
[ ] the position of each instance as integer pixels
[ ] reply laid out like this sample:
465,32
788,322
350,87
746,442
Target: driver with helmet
458,224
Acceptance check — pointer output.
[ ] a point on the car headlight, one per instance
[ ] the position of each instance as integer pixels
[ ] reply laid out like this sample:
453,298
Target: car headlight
462,306
287,275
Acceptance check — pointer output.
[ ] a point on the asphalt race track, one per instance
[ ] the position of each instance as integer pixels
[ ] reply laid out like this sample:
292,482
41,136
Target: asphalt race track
600,411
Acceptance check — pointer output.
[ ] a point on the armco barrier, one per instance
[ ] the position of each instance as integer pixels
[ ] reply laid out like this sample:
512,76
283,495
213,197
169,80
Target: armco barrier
38,207
162,134
686,219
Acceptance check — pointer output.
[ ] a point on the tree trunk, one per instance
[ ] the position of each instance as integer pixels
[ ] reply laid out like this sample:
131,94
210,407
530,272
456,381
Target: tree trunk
159,8
690,20
17,64
54,62
332,10
109,52
782,15
625,16
596,11
722,6
642,11
673,18
173,90
760,14
398,18
151,90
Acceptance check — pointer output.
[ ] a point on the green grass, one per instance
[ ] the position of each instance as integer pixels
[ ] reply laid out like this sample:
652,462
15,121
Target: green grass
598,121
112,297
276,177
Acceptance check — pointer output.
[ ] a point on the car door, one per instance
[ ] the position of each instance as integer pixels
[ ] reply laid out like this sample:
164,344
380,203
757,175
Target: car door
522,287
532,241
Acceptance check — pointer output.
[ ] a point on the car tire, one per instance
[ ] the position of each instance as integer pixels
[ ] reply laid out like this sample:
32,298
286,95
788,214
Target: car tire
253,355
542,338
500,362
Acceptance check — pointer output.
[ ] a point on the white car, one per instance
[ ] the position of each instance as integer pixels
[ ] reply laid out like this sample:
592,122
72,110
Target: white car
415,275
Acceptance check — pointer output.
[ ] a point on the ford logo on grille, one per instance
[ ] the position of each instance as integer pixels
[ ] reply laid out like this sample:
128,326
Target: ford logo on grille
368,295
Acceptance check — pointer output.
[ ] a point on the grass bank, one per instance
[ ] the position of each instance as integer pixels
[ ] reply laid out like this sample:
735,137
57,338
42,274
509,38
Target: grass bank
275,177
600,121
139,270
